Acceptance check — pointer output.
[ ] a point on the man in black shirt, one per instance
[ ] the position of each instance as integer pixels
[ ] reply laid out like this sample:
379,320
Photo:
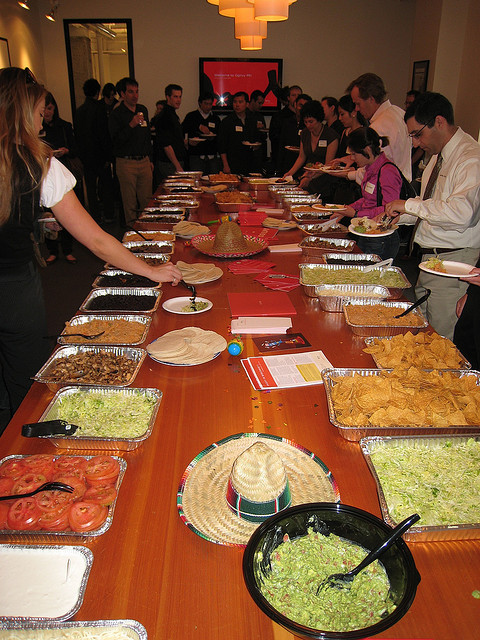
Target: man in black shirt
237,138
170,151
94,147
202,123
131,141
278,119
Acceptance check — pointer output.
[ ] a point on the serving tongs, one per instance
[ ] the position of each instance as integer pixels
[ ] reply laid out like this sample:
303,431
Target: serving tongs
376,265
385,222
46,486
415,304
191,288
48,428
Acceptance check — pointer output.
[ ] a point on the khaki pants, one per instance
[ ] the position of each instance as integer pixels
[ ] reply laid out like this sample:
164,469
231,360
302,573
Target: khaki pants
135,178
440,306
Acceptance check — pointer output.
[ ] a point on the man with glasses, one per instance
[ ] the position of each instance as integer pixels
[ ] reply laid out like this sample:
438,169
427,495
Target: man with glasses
447,212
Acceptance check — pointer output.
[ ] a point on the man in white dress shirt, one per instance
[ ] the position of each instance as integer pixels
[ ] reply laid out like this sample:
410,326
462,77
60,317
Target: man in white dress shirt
370,98
447,212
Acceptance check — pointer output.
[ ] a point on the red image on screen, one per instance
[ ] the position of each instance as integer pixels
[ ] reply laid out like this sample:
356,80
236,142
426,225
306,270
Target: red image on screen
224,77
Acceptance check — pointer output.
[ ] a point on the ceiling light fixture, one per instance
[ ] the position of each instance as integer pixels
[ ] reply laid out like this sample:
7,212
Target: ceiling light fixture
24,4
227,8
53,10
271,10
251,43
246,25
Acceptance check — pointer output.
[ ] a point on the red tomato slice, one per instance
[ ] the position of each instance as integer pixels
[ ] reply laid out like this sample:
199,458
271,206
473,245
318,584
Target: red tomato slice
55,520
13,468
23,514
86,516
28,482
101,494
4,509
40,463
79,486
69,466
53,500
102,470
6,486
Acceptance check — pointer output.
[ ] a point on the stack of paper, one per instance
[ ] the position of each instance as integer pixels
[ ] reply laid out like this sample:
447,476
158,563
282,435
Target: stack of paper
261,325
288,370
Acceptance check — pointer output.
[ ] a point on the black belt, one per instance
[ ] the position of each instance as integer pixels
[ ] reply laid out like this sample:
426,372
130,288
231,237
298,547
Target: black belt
435,250
132,157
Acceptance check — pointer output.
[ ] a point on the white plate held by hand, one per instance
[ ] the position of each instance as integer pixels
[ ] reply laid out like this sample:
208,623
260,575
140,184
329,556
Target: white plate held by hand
453,269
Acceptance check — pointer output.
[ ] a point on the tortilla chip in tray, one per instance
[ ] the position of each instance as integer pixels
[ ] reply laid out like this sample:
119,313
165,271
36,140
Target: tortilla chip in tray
434,476
380,402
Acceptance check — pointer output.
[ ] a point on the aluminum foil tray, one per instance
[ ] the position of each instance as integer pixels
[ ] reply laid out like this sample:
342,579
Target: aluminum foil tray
311,245
132,353
161,247
465,364
134,630
65,536
120,291
353,259
309,289
349,292
309,216
381,330
97,283
172,207
100,443
81,322
132,236
166,198
312,229
357,432
428,533
162,217
70,568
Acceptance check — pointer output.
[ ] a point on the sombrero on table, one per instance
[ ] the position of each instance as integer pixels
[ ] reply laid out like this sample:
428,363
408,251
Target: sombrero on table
236,483
229,242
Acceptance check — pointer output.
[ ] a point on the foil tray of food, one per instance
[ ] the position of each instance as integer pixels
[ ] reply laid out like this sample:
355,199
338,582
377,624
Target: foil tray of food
119,278
123,328
149,246
434,476
88,629
352,259
380,317
315,246
122,299
332,297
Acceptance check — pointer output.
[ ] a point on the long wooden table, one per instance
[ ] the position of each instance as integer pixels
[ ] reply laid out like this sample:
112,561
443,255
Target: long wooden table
150,567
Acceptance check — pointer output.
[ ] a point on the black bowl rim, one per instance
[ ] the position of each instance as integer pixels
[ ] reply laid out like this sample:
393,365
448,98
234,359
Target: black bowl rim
307,632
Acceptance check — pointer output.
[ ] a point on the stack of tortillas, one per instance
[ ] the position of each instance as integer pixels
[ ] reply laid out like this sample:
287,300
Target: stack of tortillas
187,346
199,272
274,223
188,229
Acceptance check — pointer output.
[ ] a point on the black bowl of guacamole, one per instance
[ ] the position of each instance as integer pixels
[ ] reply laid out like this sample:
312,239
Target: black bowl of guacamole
290,553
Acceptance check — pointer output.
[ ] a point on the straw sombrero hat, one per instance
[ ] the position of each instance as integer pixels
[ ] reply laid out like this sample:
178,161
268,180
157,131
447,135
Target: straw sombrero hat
229,242
236,483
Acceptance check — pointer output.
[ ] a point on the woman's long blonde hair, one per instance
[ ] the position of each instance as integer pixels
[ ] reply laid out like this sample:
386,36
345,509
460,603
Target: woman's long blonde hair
19,141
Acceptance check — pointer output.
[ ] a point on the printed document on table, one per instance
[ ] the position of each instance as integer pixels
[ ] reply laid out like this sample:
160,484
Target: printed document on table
284,371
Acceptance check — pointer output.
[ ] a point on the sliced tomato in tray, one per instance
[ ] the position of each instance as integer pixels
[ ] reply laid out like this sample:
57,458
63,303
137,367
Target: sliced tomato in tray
86,516
23,514
102,470
101,494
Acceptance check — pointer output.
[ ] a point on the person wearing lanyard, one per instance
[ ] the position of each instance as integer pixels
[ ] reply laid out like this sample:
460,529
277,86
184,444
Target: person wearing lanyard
447,212
202,123
236,134
132,148
29,179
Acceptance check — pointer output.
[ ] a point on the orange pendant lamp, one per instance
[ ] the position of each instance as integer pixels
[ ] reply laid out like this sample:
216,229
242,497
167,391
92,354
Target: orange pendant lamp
246,25
271,10
251,43
227,8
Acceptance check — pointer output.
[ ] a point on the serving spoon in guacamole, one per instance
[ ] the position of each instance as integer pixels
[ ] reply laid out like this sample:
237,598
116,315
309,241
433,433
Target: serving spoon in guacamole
344,580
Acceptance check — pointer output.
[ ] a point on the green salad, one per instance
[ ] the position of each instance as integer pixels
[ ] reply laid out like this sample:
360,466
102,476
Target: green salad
300,565
438,480
105,414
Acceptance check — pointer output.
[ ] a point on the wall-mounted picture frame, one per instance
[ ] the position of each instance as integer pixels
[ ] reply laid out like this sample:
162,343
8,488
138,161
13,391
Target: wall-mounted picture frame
420,75
4,54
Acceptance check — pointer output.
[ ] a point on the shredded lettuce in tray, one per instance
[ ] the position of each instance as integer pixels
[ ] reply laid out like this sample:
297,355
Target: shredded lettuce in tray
440,481
99,414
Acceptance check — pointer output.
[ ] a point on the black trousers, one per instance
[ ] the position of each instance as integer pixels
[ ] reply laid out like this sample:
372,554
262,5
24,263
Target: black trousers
467,330
23,348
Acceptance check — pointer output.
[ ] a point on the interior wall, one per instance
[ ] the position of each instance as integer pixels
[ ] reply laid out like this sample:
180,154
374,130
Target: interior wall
324,44
20,27
468,96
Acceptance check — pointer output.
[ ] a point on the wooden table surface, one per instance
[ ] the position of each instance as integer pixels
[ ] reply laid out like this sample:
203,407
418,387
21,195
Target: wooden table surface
150,567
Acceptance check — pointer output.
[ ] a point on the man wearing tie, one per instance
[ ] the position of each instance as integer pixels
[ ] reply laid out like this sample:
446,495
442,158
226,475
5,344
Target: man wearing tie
447,212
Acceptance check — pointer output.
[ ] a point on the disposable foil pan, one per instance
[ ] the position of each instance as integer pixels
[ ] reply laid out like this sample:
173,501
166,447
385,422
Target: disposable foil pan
51,584
153,294
99,282
382,330
162,217
131,353
136,630
81,323
417,533
309,288
154,246
103,443
312,245
357,432
353,259
309,216
317,229
167,236
343,293
465,364
45,536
